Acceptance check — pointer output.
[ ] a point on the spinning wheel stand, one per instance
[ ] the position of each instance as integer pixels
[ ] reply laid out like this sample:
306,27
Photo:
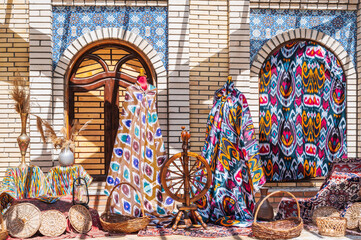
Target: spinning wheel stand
186,180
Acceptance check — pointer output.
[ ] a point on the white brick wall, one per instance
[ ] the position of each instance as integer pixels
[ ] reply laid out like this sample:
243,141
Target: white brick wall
306,4
41,91
209,59
178,71
110,2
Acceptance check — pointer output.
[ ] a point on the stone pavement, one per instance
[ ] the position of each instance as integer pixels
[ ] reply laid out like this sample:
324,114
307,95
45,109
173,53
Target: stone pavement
306,235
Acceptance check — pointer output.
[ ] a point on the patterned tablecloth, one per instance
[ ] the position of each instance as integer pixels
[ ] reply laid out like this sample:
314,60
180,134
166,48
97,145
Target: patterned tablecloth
27,183
341,187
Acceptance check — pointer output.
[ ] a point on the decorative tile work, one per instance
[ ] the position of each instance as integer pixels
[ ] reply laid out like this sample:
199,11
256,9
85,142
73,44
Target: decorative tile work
150,23
266,23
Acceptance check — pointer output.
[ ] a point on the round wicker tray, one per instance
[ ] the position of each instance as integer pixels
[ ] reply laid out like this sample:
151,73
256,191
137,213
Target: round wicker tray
22,220
53,223
80,218
324,211
353,215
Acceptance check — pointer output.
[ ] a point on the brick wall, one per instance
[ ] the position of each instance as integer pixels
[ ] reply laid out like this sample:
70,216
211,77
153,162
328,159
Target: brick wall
208,60
306,4
14,57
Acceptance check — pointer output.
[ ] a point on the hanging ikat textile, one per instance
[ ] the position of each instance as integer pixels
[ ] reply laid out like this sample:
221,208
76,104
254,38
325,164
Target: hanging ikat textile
138,155
302,111
231,150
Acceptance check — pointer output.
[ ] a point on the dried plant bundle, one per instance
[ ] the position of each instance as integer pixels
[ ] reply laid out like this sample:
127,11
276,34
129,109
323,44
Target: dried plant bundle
63,141
39,125
20,94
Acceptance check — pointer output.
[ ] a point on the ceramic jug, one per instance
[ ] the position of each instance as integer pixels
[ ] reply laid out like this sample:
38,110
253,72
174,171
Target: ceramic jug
266,210
66,157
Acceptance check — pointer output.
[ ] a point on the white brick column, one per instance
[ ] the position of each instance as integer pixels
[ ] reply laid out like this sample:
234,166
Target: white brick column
41,91
239,53
178,71
239,44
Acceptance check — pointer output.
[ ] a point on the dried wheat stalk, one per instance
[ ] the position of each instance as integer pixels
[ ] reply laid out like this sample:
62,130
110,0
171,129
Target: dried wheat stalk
65,140
20,94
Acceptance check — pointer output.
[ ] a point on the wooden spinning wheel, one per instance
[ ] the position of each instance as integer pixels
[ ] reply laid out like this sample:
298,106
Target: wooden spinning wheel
186,177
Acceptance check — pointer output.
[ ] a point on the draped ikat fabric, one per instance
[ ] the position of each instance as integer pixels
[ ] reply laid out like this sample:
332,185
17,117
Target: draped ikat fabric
302,111
231,150
138,155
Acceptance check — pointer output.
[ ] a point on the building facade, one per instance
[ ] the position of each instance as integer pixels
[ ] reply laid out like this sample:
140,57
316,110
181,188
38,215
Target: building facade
188,46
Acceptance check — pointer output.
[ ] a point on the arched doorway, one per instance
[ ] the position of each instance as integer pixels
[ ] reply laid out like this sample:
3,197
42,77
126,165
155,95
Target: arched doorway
97,81
302,127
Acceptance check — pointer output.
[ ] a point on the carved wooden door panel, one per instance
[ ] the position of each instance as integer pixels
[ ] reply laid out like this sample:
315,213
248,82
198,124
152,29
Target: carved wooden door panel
96,91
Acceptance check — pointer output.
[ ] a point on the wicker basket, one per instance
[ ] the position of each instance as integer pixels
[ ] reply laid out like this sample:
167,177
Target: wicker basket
324,211
113,222
281,229
3,232
331,226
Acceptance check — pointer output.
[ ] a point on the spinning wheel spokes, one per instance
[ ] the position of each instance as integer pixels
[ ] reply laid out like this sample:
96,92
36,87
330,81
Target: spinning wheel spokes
199,177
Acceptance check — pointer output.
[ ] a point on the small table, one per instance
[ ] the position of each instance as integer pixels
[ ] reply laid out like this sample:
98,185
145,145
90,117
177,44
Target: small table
21,183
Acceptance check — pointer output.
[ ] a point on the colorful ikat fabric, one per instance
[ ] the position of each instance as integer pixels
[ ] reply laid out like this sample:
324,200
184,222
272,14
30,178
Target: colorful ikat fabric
231,149
302,111
31,182
138,155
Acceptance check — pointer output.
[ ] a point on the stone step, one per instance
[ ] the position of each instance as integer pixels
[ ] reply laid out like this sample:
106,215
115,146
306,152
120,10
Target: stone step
98,198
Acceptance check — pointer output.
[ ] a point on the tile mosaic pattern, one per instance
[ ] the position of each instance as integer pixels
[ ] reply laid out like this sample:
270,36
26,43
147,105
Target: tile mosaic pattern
71,22
266,23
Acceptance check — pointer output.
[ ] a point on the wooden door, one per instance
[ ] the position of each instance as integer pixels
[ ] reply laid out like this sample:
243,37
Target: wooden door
96,91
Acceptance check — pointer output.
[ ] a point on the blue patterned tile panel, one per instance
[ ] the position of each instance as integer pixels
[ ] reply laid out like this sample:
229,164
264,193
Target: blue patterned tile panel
71,22
266,23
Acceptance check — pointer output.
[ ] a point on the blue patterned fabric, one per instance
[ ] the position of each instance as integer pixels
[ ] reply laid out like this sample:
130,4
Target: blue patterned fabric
231,150
302,111
267,23
69,23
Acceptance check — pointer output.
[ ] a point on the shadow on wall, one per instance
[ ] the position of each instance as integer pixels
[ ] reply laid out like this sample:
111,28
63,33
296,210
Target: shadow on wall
14,65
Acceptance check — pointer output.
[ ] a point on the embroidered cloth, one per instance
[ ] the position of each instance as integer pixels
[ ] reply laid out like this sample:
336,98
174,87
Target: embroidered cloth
231,150
60,179
33,183
138,155
302,111
340,188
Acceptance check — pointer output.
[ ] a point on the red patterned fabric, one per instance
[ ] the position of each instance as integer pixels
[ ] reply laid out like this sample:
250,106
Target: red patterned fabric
341,187
213,231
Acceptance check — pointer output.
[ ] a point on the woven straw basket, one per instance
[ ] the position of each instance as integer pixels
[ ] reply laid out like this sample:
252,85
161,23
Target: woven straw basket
324,211
331,226
281,229
113,222
3,231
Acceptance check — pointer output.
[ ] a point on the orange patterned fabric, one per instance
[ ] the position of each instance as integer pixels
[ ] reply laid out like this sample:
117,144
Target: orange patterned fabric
137,156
